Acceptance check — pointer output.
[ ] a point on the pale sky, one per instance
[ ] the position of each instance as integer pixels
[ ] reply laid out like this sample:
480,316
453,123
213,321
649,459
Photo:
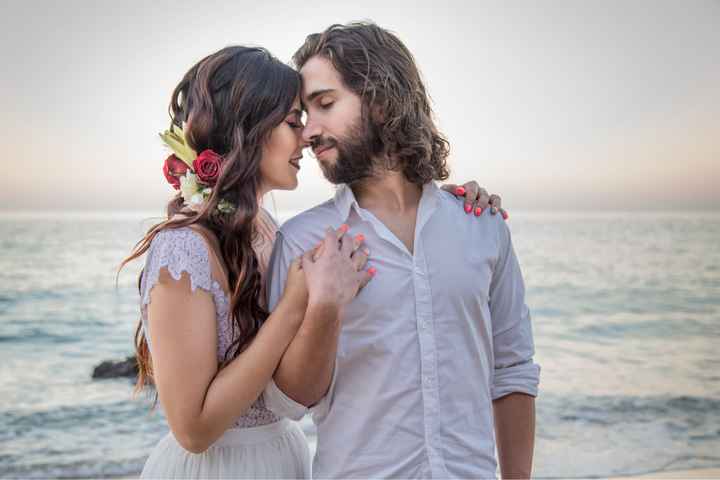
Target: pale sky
554,105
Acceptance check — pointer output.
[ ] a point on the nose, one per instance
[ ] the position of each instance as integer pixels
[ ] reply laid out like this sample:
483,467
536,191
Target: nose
311,131
301,143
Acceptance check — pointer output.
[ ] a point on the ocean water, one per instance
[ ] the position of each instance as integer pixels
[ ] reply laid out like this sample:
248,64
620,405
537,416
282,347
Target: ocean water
626,315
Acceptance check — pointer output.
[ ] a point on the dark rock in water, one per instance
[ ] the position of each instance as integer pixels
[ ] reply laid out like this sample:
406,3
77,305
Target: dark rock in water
111,369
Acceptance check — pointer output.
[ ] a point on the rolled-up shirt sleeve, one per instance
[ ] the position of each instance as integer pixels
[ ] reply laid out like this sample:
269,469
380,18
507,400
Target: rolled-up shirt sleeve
513,345
282,405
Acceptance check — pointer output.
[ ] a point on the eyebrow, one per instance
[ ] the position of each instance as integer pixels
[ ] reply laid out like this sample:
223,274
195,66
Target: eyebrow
317,93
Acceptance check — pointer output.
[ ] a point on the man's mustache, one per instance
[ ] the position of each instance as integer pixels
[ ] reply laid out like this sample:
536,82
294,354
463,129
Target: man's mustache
322,143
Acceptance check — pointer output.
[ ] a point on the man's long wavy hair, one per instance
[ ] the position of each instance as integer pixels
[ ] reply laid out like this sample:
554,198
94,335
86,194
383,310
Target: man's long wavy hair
229,102
376,66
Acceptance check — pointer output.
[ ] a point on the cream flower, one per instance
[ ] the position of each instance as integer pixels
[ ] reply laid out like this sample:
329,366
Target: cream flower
196,200
225,206
194,194
189,187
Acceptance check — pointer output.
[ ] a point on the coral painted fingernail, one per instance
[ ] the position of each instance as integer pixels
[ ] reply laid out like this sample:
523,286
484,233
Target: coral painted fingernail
460,191
468,208
359,238
505,215
372,271
344,227
478,211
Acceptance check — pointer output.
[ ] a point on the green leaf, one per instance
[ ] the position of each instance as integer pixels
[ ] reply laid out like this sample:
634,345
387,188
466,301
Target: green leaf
175,140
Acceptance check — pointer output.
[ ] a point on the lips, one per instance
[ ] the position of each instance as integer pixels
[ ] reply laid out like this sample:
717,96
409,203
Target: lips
295,162
319,151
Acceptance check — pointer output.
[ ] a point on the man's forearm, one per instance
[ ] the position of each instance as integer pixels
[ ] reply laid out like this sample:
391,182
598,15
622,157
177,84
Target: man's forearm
515,434
306,369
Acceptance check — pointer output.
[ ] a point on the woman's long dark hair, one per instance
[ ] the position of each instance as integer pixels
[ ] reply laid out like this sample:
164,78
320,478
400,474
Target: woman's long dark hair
230,102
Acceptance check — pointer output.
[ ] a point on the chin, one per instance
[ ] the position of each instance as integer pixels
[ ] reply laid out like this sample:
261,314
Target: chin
329,158
290,184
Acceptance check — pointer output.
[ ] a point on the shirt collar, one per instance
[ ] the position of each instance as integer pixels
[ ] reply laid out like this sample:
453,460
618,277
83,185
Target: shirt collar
345,200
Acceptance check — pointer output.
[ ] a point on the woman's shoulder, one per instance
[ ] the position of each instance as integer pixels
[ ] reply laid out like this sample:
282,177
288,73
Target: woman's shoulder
214,253
178,250
192,249
179,242
198,233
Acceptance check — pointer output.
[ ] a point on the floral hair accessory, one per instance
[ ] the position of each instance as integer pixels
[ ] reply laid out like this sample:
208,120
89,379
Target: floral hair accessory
194,175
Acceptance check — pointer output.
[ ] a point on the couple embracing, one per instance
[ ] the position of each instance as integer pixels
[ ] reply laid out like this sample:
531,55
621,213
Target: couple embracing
394,313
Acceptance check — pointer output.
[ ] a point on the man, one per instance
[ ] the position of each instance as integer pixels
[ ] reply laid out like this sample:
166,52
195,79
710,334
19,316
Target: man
433,359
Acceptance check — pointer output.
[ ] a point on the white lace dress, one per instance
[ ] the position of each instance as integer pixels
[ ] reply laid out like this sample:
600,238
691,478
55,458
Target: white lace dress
259,445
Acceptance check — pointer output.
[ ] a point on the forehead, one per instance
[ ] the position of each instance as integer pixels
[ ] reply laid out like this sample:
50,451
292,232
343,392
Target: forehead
319,74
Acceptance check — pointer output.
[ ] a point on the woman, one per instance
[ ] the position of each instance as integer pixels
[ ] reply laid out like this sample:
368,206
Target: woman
205,338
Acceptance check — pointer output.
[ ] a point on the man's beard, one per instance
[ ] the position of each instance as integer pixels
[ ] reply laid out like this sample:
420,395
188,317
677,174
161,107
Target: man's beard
355,153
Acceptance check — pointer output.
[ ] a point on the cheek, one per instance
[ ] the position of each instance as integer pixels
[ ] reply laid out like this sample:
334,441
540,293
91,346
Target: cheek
274,166
344,120
285,146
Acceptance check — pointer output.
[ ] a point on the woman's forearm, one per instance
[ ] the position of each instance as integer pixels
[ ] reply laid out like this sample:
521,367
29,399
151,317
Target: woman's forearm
306,369
238,385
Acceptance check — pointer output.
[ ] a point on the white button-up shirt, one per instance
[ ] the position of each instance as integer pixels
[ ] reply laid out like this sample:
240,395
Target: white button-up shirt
425,347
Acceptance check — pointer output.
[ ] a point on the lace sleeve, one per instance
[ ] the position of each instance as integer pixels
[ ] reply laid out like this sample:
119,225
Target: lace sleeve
179,250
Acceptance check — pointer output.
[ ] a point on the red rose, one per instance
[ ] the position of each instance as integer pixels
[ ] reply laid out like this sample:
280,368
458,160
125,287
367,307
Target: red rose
207,166
173,169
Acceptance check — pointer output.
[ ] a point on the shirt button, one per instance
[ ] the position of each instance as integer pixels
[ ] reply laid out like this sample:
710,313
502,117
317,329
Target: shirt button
423,325
428,380
418,271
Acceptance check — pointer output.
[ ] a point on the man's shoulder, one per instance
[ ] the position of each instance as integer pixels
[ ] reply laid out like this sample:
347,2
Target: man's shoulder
453,207
311,223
